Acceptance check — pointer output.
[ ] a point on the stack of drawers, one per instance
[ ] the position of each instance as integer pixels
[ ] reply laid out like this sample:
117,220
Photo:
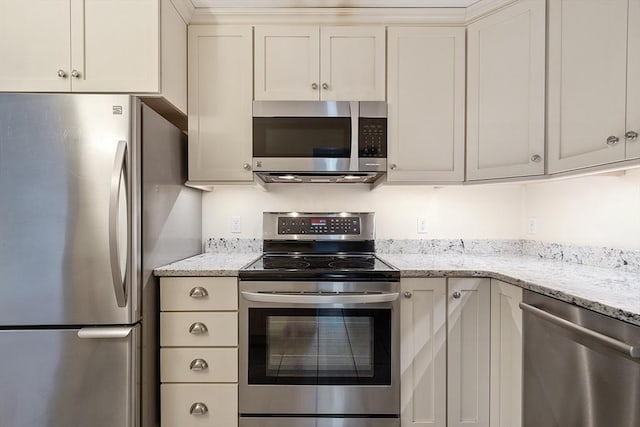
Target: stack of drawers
199,351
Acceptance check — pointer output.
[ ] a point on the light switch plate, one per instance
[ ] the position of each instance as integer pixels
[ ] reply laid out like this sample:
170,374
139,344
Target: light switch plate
236,224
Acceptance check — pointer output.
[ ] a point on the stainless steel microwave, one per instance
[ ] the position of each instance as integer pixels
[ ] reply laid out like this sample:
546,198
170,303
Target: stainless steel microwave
319,141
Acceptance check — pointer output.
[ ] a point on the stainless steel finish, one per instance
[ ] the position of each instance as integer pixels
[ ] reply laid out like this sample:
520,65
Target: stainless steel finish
393,166
53,378
408,294
617,345
198,408
198,328
325,86
198,365
309,399
119,174
270,225
320,298
317,422
537,158
457,295
62,74
314,86
355,114
198,292
301,164
75,74
631,136
612,140
572,377
320,178
105,333
374,109
301,108
246,166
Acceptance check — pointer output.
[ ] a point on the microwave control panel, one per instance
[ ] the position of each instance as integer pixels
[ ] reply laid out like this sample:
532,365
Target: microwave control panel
318,225
372,137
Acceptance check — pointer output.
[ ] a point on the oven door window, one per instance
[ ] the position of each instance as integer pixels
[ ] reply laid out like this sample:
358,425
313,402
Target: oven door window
302,137
320,346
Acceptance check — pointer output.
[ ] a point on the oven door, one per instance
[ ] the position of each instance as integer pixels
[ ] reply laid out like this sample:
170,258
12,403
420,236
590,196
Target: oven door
319,348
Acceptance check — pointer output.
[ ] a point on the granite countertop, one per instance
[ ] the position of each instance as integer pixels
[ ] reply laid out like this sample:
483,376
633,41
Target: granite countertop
609,291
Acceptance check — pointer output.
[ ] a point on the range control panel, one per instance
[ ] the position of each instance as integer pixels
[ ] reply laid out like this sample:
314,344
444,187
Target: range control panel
319,225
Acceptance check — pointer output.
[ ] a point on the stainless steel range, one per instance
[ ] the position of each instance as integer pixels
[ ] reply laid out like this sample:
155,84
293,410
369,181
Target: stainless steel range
319,326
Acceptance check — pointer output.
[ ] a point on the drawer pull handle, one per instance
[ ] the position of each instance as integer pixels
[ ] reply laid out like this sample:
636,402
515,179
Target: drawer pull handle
198,328
198,292
198,408
198,365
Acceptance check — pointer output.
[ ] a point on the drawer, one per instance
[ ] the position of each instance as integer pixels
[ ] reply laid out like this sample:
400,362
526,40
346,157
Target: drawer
221,329
198,293
221,401
184,365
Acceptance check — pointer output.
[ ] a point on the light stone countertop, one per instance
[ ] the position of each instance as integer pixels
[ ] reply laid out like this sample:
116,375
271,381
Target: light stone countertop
608,291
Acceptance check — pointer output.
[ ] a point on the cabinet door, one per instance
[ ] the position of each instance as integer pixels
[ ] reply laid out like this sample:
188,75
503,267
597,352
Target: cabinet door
352,63
34,45
633,79
423,352
115,45
287,63
506,355
587,82
506,100
468,324
220,84
426,104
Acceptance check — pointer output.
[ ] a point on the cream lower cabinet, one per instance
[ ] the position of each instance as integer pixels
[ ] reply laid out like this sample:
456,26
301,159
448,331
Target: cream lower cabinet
506,92
199,351
426,104
506,355
220,104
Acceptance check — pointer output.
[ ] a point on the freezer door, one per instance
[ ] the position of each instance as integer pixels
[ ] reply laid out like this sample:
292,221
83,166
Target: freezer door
66,165
54,378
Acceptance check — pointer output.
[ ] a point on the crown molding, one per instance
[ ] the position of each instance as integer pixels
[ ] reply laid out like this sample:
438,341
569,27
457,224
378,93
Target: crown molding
185,8
485,7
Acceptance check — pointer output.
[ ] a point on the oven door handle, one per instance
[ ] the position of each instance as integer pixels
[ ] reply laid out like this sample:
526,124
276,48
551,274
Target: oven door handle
282,298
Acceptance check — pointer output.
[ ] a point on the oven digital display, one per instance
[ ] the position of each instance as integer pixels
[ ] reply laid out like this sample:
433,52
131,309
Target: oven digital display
318,222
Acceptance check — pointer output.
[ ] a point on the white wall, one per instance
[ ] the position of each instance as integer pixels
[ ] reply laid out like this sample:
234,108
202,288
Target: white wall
594,211
472,212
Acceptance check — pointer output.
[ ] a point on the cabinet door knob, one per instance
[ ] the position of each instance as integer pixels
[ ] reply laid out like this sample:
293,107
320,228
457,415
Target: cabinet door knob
612,140
75,74
325,86
198,292
457,295
198,408
198,365
198,328
246,166
314,86
631,136
62,74
536,158
408,294
393,166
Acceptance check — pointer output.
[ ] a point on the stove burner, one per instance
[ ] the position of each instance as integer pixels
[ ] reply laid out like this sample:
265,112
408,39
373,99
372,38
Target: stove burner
285,263
354,263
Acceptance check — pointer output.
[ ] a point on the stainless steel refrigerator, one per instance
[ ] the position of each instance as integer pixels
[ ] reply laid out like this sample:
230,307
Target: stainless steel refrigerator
91,200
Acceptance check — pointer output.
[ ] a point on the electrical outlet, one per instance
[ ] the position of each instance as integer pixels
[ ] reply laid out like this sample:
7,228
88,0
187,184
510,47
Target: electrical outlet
422,224
532,225
236,224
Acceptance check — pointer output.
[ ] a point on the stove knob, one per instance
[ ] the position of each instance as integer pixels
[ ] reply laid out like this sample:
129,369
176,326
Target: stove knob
408,294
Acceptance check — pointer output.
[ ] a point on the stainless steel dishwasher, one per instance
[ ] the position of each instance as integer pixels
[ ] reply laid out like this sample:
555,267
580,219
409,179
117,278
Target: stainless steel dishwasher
581,368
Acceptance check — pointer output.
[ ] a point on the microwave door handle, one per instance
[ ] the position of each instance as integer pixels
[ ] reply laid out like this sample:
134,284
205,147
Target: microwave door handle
279,298
354,107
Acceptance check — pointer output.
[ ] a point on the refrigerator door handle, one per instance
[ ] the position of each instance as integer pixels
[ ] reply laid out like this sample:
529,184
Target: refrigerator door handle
105,333
119,168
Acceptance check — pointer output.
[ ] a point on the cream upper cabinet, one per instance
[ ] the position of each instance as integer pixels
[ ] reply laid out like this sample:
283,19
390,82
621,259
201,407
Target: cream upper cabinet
468,339
426,104
632,128
93,46
506,355
587,88
423,352
320,63
220,83
506,92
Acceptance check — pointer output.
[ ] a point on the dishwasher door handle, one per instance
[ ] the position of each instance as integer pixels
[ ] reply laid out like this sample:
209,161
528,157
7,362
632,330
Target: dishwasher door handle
286,298
623,347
